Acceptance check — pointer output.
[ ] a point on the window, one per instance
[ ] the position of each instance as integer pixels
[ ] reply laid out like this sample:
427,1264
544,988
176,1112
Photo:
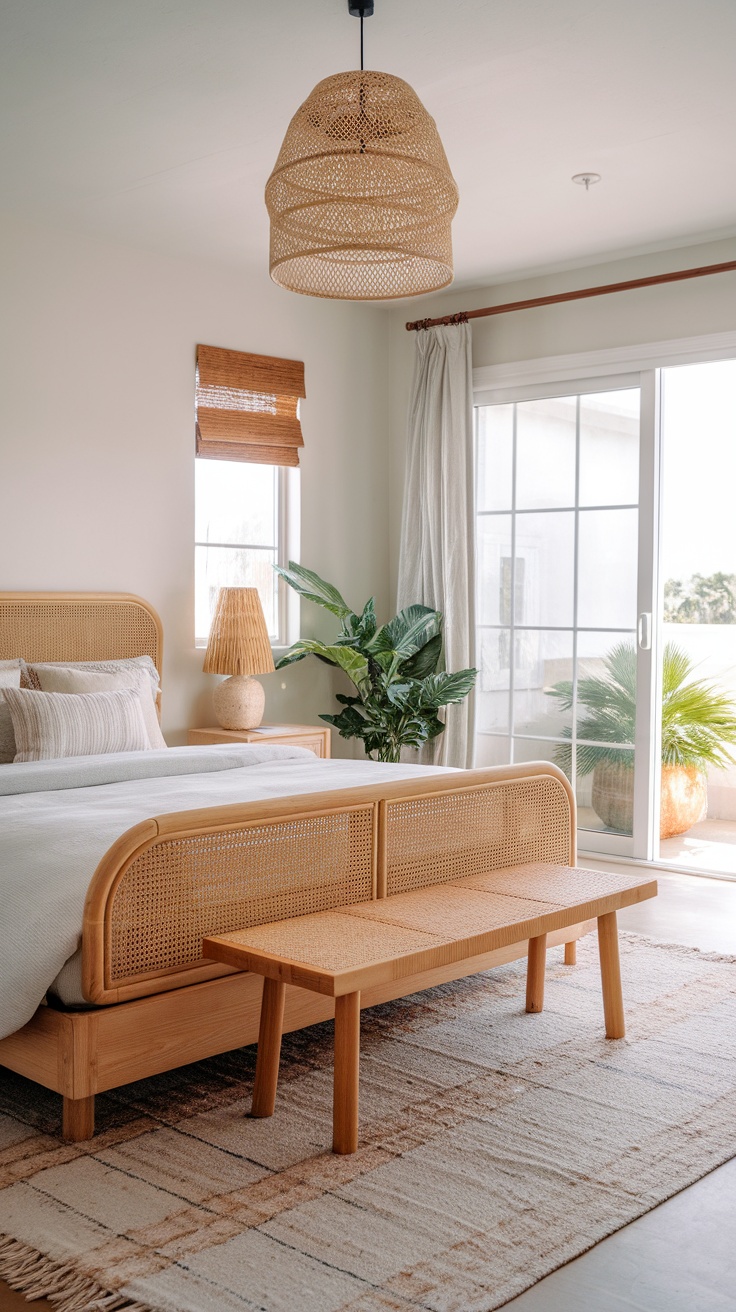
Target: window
241,525
246,482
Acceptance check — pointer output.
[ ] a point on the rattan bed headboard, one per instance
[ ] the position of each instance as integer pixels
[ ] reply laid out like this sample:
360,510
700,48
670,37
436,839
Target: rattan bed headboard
78,626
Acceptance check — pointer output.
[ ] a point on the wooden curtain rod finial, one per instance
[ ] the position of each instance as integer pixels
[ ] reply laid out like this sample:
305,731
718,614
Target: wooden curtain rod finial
460,317
729,266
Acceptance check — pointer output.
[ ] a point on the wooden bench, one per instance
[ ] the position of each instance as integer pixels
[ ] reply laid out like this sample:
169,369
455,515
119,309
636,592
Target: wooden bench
351,948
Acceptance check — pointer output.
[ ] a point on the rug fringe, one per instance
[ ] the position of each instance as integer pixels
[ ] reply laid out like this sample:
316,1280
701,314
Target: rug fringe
683,949
30,1273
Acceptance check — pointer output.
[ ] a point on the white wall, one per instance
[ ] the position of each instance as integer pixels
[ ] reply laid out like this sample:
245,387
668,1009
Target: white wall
674,310
97,344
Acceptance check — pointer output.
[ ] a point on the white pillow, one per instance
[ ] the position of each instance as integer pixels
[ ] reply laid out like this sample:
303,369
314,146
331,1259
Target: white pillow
29,673
10,673
64,678
9,678
50,725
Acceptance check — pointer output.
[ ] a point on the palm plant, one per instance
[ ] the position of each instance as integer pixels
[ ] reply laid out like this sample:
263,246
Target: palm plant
393,668
697,720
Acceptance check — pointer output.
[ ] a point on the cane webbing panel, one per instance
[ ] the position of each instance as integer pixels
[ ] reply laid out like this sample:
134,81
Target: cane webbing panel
180,890
551,885
336,942
433,840
77,628
452,911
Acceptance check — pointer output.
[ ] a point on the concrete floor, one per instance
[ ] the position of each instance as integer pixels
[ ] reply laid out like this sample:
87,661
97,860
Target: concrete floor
709,845
681,1257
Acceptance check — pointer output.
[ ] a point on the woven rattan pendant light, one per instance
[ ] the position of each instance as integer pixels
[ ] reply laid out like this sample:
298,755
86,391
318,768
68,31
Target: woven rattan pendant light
361,197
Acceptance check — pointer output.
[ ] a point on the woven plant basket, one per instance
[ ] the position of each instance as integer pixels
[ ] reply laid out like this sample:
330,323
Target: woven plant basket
684,797
361,197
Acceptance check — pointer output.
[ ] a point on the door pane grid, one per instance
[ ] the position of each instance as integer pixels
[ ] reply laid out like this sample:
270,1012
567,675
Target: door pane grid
555,510
565,563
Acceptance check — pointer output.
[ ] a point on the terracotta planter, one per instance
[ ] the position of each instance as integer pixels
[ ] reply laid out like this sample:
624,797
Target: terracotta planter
684,797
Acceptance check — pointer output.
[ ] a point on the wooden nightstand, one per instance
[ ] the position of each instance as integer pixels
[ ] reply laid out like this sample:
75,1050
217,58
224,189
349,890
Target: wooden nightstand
311,736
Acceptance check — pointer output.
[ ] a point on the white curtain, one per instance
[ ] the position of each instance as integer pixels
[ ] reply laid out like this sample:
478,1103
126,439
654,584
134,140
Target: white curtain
436,564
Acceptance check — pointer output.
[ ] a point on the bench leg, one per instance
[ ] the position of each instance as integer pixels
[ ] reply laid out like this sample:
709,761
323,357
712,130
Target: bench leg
78,1119
535,967
269,1048
347,1062
613,1003
571,952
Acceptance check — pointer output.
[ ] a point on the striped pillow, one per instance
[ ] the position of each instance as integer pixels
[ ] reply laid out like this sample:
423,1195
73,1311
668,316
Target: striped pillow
64,678
51,725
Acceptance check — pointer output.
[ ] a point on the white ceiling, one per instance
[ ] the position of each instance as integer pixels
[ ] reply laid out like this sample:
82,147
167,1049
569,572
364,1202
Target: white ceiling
158,121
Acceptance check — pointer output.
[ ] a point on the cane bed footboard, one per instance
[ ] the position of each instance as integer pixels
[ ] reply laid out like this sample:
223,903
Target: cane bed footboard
171,881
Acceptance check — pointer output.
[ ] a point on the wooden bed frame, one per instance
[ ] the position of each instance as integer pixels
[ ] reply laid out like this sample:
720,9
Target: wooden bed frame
170,881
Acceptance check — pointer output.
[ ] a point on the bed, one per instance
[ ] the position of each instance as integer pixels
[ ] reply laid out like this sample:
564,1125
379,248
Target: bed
280,834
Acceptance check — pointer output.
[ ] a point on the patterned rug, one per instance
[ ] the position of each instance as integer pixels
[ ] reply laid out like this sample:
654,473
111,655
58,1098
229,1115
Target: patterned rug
495,1146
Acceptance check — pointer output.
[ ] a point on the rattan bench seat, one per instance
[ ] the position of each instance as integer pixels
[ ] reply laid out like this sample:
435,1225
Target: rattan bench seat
352,947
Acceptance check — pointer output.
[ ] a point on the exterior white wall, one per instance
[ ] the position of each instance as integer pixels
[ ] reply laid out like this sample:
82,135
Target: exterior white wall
97,438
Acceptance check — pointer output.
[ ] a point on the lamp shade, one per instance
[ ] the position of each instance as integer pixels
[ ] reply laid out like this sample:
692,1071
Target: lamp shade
238,642
361,197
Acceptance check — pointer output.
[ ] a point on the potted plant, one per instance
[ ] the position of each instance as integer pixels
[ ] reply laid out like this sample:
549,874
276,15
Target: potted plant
393,668
697,723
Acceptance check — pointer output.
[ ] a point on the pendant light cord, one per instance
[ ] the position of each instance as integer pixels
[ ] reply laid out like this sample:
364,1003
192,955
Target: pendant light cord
361,40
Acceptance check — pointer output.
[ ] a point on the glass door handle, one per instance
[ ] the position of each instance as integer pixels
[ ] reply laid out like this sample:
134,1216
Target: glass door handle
645,631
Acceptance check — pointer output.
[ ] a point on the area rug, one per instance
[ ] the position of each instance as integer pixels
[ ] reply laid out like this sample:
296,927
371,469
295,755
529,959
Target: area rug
495,1146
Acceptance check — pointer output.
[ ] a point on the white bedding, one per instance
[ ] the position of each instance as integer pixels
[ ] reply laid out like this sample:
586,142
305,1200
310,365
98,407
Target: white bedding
58,818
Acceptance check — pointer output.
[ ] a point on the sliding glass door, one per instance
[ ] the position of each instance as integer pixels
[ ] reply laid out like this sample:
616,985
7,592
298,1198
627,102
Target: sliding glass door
558,529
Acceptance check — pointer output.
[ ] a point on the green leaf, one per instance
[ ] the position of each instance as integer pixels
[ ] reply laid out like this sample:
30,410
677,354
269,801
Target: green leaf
295,653
443,689
424,661
408,631
310,585
352,662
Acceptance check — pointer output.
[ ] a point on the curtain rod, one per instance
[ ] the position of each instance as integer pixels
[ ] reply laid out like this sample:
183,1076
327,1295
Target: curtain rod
604,290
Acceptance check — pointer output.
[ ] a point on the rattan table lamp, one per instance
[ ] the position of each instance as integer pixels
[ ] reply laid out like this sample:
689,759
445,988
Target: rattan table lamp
239,646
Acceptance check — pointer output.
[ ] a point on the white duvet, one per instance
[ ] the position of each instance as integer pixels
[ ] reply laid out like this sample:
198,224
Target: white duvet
58,818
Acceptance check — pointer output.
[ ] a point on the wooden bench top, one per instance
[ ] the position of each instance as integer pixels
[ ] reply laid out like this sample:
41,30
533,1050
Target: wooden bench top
353,947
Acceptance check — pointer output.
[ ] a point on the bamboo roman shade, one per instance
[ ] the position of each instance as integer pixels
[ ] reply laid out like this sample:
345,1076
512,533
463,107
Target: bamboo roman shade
247,407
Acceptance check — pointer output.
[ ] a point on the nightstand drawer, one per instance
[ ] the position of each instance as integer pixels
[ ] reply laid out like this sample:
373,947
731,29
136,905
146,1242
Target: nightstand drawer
311,736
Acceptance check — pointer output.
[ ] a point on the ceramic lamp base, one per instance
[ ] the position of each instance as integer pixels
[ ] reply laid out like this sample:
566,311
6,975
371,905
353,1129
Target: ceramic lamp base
239,702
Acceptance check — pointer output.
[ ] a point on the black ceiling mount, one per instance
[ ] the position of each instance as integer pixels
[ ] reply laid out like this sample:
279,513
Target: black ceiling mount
361,11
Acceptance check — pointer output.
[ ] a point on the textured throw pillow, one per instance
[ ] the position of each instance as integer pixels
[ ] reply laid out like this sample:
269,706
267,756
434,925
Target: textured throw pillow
60,678
51,725
9,678
30,673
